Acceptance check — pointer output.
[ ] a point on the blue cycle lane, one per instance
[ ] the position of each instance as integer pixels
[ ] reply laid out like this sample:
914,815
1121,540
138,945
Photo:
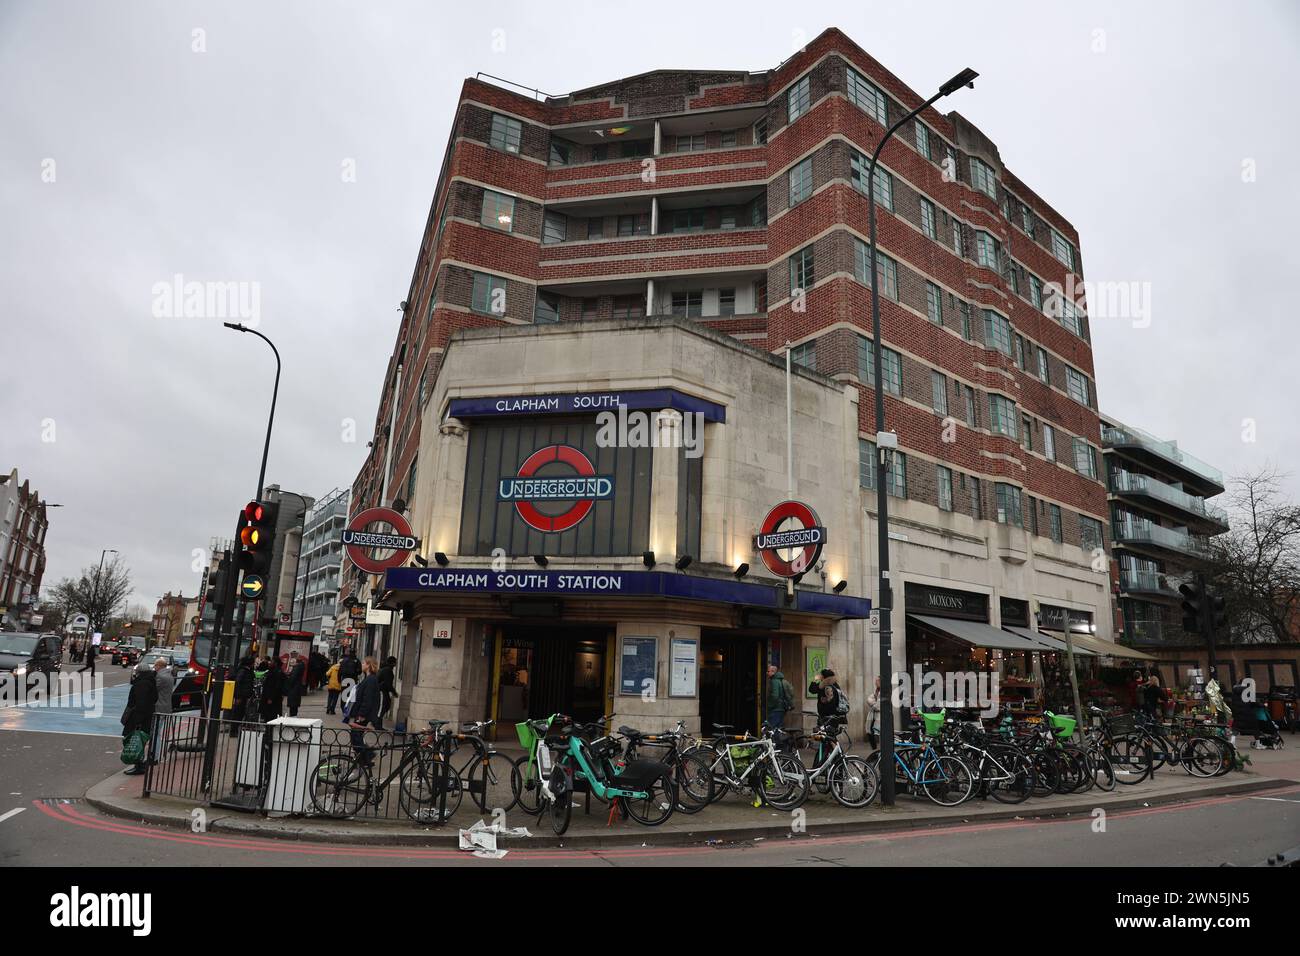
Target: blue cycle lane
97,714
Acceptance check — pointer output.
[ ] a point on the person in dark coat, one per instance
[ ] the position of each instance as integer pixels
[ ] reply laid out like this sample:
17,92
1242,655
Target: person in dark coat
90,658
295,682
316,666
349,667
245,707
272,691
364,713
139,712
387,689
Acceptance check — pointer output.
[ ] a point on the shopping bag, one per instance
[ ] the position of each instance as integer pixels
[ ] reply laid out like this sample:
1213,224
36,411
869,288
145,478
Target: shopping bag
133,747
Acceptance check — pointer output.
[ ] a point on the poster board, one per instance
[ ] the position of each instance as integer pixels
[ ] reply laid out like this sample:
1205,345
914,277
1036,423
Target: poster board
814,661
638,658
684,667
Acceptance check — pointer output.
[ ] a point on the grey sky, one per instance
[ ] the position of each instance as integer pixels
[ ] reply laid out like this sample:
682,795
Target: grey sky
227,165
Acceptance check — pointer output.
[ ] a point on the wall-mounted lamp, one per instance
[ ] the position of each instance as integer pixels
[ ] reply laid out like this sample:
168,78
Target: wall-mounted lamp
683,562
441,558
840,587
420,560
648,559
540,560
741,570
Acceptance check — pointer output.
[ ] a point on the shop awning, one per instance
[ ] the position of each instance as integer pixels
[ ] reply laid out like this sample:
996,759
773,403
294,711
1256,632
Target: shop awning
1050,642
976,633
1107,648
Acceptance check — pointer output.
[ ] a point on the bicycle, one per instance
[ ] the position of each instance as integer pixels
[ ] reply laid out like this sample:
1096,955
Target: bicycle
485,773
945,779
691,773
846,777
341,785
746,764
1000,770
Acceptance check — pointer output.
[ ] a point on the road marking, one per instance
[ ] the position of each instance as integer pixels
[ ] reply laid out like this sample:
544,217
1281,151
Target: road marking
11,813
1277,799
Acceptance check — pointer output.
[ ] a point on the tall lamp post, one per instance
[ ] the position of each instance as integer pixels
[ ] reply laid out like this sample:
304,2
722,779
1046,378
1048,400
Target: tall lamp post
885,443
94,596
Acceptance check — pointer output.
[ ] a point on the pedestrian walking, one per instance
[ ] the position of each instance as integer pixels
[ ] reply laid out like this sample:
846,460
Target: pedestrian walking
295,682
138,715
780,697
272,691
350,667
364,712
316,666
333,686
90,659
387,689
873,717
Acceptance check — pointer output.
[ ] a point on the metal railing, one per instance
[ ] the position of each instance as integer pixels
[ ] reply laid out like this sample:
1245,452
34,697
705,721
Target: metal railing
1146,532
1126,481
1112,436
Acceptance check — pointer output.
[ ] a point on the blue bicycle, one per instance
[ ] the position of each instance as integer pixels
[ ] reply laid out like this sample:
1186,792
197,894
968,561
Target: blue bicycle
945,779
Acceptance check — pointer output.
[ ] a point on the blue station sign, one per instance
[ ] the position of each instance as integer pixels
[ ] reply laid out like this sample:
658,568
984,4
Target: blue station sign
578,403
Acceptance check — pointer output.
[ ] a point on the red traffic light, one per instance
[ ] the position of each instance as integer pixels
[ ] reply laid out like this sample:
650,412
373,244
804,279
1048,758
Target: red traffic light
254,511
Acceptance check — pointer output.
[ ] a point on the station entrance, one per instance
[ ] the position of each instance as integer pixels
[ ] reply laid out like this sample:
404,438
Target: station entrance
544,670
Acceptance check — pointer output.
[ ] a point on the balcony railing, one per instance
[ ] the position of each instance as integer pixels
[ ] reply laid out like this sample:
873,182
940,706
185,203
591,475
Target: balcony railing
1150,581
1112,437
1145,532
1127,481
1152,633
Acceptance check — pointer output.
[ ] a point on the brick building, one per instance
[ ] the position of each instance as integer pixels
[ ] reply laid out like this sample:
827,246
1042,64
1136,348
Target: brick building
23,523
737,200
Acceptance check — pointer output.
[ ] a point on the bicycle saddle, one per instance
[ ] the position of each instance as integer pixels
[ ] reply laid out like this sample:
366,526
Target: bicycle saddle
630,731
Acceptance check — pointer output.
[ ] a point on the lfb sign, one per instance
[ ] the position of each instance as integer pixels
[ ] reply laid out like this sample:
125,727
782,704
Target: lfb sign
790,539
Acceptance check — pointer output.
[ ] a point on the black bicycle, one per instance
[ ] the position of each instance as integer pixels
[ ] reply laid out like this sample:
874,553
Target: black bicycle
691,773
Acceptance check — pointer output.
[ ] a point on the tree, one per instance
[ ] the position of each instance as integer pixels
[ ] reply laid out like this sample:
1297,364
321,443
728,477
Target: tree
1255,565
95,594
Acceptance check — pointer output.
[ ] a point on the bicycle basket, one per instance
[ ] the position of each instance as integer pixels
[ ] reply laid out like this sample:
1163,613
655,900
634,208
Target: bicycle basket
742,757
934,722
1122,725
527,736
1063,726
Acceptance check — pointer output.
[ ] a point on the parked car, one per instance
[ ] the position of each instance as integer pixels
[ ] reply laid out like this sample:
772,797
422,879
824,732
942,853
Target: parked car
129,651
22,654
184,696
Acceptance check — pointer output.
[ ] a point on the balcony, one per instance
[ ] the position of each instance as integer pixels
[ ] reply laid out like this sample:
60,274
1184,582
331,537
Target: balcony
1149,583
1168,500
1163,456
1151,633
1146,536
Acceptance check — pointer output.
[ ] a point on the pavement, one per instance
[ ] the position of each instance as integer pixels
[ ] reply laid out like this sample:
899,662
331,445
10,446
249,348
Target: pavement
730,821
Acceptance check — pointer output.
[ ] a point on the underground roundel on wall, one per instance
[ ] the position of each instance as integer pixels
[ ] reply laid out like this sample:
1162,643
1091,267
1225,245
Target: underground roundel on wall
790,539
555,488
361,543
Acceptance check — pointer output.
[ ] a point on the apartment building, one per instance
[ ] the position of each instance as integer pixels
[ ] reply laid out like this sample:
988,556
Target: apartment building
737,200
23,524
316,590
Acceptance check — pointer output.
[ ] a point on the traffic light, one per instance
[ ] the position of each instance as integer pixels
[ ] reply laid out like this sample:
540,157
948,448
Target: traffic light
1218,614
1193,602
257,537
218,592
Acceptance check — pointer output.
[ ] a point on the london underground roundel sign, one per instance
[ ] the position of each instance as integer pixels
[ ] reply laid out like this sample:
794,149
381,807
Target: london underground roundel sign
359,542
790,539
559,499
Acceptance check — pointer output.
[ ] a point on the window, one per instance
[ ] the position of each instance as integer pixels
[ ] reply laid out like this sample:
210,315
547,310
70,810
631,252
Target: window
506,133
729,138
1054,512
760,295
1026,433
1062,249
690,143
884,187
489,294
1070,316
1085,458
627,225
886,268
1027,219
688,303
637,147
727,220
726,302
939,392
891,362
927,219
923,140
976,499
600,152
555,227
997,332
1076,385
956,237
595,228
1002,415
547,308
983,178
1036,291
1033,510
943,478
559,152
1090,538
1008,504
896,475
865,96
760,131
934,303
1049,442
798,99
591,308
498,210
1019,351
802,272
688,220
424,385
867,463
410,479
883,183
801,181
986,250
805,354
1043,372
629,306
965,320
969,392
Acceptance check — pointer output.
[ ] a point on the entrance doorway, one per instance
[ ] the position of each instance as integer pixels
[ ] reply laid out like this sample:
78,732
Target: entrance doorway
542,671
730,681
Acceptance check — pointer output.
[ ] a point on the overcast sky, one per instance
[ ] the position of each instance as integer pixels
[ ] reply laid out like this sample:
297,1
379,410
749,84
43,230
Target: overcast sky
296,146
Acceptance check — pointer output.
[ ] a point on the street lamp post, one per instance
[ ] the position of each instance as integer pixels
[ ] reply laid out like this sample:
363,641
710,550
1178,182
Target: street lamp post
94,594
884,443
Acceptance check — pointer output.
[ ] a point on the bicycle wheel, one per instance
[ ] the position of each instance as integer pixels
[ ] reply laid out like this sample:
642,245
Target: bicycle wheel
1080,769
657,805
1047,775
947,780
340,786
1013,777
421,788
853,783
525,785
488,779
1201,757
1132,759
694,782
561,802
782,782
